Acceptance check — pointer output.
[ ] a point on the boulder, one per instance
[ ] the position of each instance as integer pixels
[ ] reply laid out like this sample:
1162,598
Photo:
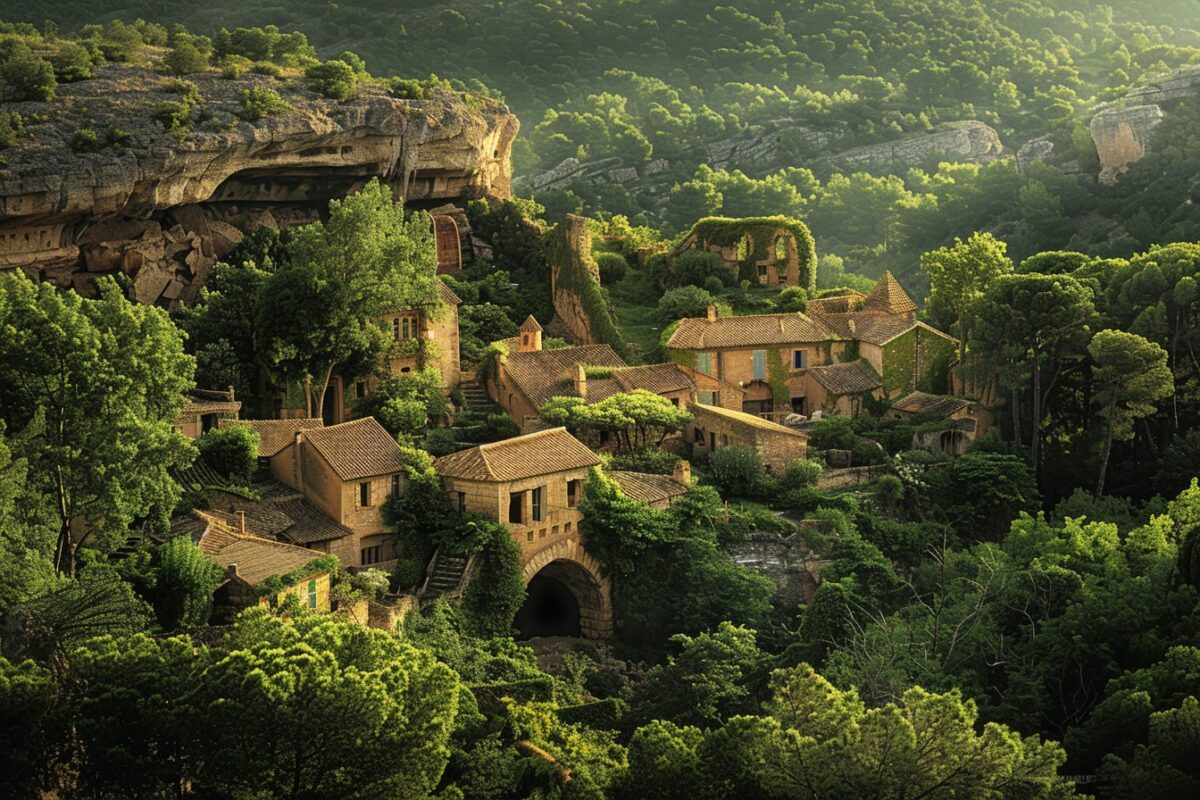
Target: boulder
1122,137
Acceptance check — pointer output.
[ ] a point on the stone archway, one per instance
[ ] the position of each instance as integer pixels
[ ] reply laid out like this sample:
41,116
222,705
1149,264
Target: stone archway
566,563
448,242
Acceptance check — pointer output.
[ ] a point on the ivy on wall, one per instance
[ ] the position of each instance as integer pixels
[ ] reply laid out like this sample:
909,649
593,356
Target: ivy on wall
777,378
272,586
900,359
576,272
727,232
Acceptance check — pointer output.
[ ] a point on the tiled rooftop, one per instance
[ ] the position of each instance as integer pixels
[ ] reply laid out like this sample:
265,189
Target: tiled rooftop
699,333
542,453
855,377
357,449
273,434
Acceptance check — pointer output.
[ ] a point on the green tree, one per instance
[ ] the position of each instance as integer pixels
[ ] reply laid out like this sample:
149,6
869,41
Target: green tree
637,420
94,387
26,751
321,311
1129,375
1029,328
333,79
232,451
26,76
184,582
185,58
960,274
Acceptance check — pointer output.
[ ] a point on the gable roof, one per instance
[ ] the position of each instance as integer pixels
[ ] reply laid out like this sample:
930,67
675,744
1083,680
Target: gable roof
855,377
530,325
256,558
741,417
699,333
357,449
849,300
209,401
889,297
280,513
447,294
528,456
543,374
656,378
646,487
273,434
933,405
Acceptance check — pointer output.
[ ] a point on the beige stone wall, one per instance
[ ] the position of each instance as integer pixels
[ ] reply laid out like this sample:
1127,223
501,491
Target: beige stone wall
780,449
873,353
300,591
777,448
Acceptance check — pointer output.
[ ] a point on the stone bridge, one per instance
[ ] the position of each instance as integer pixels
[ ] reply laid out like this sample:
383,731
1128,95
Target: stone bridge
567,592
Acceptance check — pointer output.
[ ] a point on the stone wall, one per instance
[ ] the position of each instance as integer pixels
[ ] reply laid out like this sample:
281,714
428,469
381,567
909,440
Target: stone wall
788,562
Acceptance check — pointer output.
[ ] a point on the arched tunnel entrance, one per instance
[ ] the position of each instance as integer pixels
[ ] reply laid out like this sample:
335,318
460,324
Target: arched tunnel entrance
564,598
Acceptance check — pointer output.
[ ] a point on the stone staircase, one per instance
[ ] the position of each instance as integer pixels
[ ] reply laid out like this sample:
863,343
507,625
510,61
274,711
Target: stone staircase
477,399
447,575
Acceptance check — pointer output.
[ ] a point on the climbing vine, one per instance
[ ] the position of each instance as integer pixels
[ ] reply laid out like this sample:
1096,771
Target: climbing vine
576,272
272,586
726,232
777,378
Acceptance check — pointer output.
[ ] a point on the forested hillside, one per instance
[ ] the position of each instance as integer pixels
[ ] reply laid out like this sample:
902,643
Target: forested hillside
679,109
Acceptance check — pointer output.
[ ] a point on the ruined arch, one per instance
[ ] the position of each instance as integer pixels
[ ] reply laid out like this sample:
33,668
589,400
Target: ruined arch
566,563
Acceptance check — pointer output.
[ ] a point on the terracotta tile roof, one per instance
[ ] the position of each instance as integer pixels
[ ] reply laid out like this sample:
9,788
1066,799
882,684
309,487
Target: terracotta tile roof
855,377
256,558
698,333
209,401
357,449
889,297
542,453
646,487
700,410
447,294
530,325
543,374
655,378
872,327
273,434
932,405
281,513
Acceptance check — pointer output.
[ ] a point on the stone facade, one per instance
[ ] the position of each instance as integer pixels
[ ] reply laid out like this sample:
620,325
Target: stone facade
713,428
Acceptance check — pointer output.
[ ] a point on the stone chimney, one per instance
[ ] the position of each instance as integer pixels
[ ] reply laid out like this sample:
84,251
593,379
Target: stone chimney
853,328
241,520
297,466
682,473
581,381
530,335
712,313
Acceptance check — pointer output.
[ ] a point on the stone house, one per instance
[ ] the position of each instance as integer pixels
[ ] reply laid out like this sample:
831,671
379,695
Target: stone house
656,491
771,243
533,484
713,427
205,409
765,355
842,388
249,560
348,471
958,421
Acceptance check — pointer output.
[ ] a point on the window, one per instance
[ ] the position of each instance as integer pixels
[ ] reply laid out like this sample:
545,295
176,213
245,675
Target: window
707,398
535,502
371,555
759,362
396,485
408,328
396,329
364,494
675,402
799,359
554,531
360,390
698,436
566,527
780,249
516,507
462,502
529,536
312,594
542,533
704,363
572,494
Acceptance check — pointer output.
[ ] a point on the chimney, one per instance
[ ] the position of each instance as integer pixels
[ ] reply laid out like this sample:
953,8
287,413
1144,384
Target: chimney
682,472
241,520
297,467
232,394
853,327
530,335
581,381
712,313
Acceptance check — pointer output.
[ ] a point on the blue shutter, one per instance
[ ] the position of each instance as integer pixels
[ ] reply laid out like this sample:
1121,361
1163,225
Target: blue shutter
760,365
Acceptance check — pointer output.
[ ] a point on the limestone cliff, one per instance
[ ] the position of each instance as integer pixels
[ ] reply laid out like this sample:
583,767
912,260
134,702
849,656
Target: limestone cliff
1122,131
970,141
161,209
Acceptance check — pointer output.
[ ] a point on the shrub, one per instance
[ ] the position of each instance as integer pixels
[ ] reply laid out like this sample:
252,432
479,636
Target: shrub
695,266
713,285
85,140
802,472
655,462
72,62
792,299
737,470
686,301
12,127
231,451
117,41
233,66
496,594
333,79
25,75
372,582
407,88
266,68
259,102
185,58
832,433
613,267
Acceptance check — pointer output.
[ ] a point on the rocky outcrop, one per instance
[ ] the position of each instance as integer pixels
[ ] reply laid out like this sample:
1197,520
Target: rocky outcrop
161,209
1122,132
791,563
969,141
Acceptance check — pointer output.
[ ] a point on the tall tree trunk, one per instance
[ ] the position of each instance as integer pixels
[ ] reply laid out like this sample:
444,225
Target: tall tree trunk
1015,399
1108,440
306,387
63,555
1035,436
320,391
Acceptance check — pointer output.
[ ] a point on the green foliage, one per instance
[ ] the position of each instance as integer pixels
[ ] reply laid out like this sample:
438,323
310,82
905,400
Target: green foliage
637,420
613,267
404,404
71,62
259,102
185,58
232,451
12,127
184,582
25,75
687,301
737,470
695,268
569,249
496,593
802,472
727,232
960,274
333,79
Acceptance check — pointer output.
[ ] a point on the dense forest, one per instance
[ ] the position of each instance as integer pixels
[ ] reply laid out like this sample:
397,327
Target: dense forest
1020,620
743,110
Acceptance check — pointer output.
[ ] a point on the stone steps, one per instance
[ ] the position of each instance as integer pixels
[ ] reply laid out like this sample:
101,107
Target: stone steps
476,398
445,574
